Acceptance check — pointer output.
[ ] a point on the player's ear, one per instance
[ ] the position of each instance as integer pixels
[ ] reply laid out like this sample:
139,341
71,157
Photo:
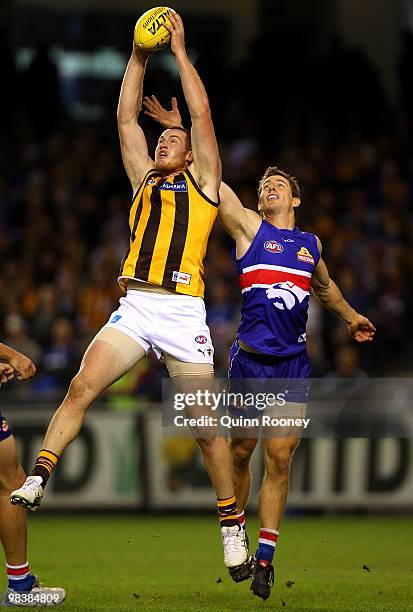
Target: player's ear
296,202
188,157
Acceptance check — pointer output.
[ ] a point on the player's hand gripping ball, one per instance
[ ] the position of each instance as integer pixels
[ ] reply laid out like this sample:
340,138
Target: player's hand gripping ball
150,34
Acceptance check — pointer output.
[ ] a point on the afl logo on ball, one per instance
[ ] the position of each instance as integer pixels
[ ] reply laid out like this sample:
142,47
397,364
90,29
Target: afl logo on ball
273,247
201,339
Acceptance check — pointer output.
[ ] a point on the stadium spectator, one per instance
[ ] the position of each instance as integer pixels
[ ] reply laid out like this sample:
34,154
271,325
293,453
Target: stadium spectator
65,205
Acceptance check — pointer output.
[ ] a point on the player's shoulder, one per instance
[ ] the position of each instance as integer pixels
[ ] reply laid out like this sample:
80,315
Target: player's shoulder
310,239
143,180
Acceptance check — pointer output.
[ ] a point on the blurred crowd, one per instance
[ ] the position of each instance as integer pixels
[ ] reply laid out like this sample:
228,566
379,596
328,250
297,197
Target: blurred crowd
64,199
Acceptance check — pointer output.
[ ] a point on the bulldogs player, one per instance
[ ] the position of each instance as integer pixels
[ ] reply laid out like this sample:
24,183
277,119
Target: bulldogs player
278,265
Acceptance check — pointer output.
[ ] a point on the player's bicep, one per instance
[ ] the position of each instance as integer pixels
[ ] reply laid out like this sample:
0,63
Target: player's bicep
320,278
236,219
205,155
134,150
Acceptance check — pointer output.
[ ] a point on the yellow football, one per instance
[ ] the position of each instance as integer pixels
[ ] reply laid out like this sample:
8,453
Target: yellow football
150,33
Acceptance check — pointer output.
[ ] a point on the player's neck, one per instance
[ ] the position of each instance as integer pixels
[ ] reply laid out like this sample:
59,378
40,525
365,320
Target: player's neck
281,220
168,173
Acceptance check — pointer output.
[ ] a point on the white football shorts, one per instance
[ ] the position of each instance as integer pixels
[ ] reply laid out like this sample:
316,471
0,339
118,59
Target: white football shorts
166,323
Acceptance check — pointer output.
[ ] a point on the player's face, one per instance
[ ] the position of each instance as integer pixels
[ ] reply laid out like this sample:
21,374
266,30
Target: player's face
171,153
276,195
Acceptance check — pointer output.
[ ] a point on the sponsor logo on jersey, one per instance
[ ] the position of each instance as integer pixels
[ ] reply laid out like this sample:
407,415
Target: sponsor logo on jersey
181,277
4,425
273,247
150,181
115,318
285,295
206,352
179,186
302,338
201,340
288,240
305,256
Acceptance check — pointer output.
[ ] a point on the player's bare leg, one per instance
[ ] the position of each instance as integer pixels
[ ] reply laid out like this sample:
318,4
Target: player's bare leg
241,452
278,454
216,456
13,522
13,533
102,364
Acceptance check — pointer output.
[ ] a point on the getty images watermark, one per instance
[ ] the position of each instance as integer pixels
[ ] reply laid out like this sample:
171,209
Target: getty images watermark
242,410
358,407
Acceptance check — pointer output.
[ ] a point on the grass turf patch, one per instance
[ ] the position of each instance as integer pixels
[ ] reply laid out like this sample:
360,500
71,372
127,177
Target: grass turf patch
175,563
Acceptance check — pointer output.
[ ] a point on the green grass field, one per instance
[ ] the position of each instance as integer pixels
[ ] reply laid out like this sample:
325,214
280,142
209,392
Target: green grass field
166,564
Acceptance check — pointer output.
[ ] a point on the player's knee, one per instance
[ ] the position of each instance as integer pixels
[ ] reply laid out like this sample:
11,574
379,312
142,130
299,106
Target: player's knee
82,386
241,451
278,462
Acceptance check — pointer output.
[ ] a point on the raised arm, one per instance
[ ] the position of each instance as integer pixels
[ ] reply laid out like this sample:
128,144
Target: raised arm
241,223
133,145
206,162
330,296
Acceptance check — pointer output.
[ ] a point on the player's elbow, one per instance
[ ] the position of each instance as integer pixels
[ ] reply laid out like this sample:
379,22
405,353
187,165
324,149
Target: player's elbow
201,111
125,118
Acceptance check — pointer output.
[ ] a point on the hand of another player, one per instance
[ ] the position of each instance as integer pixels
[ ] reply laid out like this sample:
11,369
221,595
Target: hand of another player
6,373
23,366
167,119
361,329
177,32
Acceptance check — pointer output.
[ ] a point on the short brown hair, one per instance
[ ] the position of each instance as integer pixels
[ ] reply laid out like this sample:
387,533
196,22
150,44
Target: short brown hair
274,170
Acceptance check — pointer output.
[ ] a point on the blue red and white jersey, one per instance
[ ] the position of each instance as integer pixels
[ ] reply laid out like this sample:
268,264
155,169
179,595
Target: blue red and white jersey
275,276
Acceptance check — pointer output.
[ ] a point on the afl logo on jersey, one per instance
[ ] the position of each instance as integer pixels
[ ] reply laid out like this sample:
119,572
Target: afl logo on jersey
273,247
201,339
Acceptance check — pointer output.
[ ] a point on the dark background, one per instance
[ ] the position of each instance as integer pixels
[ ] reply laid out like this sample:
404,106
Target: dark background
322,89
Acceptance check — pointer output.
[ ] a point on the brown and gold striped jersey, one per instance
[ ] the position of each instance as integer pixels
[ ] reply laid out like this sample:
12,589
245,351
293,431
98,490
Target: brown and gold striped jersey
170,222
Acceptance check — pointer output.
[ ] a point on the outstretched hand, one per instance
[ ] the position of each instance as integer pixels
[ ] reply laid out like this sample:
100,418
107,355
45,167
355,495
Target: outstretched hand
177,32
167,118
361,329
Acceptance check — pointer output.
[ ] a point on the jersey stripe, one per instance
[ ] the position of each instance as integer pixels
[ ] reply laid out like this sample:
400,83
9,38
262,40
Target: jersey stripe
270,277
179,234
149,236
163,240
133,255
279,268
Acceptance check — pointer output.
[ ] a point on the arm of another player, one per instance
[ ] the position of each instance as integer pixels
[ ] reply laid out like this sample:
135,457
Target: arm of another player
241,223
133,145
330,296
165,118
24,366
206,160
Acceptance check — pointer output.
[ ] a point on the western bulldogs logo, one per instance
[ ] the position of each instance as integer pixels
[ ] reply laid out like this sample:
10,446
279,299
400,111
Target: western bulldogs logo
304,255
201,339
285,295
273,247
